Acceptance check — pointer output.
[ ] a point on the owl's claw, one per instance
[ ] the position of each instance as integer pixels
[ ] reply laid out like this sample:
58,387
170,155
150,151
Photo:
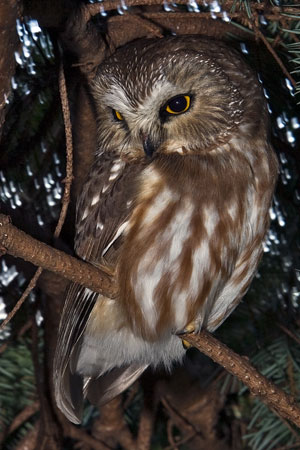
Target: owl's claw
186,345
190,328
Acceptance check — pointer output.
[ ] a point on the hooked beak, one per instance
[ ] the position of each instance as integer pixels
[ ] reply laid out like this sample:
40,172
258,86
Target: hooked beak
149,147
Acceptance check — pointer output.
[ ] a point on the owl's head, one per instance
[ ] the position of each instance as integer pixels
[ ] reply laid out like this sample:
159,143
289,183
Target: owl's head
167,95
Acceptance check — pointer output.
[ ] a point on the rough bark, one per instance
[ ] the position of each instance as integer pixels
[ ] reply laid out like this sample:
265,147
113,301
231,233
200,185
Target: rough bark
274,397
21,245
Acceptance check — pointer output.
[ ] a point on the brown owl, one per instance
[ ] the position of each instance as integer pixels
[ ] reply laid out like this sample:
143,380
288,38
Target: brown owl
175,206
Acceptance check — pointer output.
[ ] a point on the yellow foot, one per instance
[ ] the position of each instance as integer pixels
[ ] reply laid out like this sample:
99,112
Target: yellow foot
190,328
186,344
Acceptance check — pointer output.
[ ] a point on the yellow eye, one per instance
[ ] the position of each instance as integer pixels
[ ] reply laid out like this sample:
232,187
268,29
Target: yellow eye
117,115
178,104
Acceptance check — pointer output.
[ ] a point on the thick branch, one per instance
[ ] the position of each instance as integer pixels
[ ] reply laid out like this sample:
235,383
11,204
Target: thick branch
141,21
23,416
21,245
108,5
274,397
111,427
83,437
29,441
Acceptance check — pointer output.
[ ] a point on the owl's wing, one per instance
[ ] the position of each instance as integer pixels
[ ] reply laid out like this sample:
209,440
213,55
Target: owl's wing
102,210
103,207
101,390
68,386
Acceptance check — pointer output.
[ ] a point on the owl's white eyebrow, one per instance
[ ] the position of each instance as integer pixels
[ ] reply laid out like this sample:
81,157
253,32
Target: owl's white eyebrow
160,92
117,99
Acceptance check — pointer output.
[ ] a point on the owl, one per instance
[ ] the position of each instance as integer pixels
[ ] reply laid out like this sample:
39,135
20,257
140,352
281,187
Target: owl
175,208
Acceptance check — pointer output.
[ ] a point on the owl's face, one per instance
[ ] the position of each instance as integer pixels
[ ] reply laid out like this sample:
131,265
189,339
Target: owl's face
164,97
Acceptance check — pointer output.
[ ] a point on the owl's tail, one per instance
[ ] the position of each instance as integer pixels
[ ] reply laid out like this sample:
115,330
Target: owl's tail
101,390
74,389
89,360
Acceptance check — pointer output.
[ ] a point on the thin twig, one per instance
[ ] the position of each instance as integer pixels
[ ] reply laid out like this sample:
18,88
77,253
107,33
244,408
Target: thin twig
292,431
131,394
274,397
289,447
20,333
82,436
23,416
173,445
22,299
29,441
274,54
184,420
289,333
69,150
20,418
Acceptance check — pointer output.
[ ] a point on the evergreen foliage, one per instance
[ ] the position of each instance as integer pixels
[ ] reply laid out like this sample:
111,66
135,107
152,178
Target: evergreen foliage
17,389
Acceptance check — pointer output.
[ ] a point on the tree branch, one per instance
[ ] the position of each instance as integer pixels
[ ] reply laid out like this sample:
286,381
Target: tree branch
21,332
69,151
21,245
274,54
274,397
108,5
80,435
22,299
270,12
29,441
23,416
111,428
122,29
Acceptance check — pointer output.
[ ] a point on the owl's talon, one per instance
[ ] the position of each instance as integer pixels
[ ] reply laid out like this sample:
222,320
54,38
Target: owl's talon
186,344
190,328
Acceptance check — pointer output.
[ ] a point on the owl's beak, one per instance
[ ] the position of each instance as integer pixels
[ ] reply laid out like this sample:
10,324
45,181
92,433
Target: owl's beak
148,145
